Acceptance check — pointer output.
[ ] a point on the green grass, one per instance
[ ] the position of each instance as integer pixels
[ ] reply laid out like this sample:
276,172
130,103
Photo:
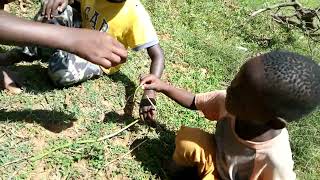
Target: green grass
201,41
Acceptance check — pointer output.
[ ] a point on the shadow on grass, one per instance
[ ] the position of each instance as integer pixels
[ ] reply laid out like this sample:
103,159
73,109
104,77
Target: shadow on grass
155,155
34,78
53,121
129,91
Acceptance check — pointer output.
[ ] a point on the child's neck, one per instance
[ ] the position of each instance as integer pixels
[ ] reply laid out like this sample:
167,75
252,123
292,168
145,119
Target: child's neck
253,132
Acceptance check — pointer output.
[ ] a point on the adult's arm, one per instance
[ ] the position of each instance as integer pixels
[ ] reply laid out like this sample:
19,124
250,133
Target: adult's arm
94,46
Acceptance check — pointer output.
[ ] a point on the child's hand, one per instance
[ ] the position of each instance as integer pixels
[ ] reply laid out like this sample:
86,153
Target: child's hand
52,7
151,82
147,108
148,103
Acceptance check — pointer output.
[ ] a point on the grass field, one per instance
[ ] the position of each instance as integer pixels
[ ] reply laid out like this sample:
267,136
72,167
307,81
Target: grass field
204,41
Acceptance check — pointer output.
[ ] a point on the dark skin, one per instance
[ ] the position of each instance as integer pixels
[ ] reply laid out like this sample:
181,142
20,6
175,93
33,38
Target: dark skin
244,99
147,112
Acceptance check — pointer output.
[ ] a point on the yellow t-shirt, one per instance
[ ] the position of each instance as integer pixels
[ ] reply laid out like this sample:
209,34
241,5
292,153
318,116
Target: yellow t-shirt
127,21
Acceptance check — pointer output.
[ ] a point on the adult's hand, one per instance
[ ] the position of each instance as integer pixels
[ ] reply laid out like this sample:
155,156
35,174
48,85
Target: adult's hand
98,48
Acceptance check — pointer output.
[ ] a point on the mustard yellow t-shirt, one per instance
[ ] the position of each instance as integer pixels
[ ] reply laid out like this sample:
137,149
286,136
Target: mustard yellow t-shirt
127,21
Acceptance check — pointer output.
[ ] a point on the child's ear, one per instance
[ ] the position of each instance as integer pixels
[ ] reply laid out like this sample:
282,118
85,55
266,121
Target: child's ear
277,123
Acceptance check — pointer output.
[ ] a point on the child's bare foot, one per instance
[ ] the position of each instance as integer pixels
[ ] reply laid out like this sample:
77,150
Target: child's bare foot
9,82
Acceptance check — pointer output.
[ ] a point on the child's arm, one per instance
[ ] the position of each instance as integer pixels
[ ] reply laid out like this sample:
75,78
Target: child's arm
211,104
181,96
157,65
93,46
147,111
156,55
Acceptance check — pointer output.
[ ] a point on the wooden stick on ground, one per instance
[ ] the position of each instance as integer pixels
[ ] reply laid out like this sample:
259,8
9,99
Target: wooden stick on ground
46,153
88,141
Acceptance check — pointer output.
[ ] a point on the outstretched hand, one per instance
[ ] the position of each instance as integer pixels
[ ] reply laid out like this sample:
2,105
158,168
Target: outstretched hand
98,48
149,83
181,96
152,82
94,46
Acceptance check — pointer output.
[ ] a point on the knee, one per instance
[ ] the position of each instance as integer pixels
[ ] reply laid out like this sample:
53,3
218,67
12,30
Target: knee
194,144
63,77
61,69
186,144
66,69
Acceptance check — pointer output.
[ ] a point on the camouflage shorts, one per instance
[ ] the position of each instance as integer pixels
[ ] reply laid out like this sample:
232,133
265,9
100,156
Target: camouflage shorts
64,68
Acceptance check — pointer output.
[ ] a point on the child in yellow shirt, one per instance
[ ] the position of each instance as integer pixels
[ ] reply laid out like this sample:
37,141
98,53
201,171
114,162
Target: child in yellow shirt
96,47
127,21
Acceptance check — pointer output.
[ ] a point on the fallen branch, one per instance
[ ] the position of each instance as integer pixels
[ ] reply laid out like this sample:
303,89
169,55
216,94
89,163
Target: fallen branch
274,7
303,18
46,153
40,156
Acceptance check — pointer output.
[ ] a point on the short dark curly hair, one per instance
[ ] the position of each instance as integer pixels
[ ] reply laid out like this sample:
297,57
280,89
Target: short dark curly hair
292,84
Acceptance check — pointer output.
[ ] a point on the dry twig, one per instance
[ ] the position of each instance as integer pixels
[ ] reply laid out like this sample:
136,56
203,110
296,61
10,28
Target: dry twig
46,153
306,19
88,141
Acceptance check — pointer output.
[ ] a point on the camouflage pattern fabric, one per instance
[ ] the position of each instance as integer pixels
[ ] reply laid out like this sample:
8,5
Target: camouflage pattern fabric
64,68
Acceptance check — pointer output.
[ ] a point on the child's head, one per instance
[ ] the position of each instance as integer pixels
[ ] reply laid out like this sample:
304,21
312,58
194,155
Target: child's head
274,88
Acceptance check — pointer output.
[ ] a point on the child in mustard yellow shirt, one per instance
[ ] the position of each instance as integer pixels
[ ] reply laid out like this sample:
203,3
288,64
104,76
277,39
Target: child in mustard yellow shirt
251,140
127,21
